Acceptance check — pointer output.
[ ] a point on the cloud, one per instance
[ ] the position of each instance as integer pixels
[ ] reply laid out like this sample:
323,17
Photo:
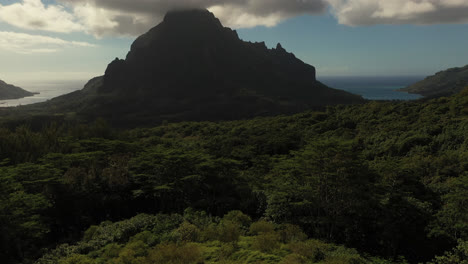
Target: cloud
100,21
34,15
250,13
123,17
29,44
134,17
420,12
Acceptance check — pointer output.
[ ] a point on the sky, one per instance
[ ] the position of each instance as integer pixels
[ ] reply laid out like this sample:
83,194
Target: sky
76,39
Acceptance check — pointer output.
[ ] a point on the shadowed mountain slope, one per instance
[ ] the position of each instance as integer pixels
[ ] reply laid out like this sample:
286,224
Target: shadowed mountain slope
190,67
8,91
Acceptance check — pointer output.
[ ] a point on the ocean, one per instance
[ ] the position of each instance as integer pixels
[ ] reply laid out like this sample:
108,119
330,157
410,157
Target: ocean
372,88
375,88
46,89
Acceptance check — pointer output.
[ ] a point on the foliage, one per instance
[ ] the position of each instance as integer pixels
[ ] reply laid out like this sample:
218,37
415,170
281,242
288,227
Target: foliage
386,178
265,247
459,255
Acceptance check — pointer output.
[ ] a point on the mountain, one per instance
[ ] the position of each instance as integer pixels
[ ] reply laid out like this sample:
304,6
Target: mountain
190,67
443,83
8,91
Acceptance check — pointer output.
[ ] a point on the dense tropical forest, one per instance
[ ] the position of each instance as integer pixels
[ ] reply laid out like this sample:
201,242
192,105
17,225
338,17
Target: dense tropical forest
381,182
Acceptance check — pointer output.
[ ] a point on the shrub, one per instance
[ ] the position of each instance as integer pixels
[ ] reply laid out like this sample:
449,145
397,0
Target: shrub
136,248
210,233
198,218
88,234
293,259
111,251
132,253
291,233
266,242
239,218
228,231
345,260
147,237
261,227
188,232
227,250
458,255
174,254
76,259
311,249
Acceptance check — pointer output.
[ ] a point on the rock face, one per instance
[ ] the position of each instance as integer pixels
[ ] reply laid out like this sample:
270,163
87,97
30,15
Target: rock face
8,91
444,83
193,49
190,67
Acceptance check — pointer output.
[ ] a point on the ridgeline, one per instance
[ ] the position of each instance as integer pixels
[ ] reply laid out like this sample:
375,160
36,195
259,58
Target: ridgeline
190,67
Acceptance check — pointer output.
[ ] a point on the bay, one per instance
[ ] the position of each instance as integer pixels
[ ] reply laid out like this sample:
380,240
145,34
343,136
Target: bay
372,88
375,87
47,90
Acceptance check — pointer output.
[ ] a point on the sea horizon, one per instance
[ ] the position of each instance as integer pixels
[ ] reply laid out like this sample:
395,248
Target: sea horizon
46,89
370,87
379,88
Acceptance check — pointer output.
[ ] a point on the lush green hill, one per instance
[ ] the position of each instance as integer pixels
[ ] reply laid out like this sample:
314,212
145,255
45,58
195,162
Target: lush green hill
444,83
386,178
8,91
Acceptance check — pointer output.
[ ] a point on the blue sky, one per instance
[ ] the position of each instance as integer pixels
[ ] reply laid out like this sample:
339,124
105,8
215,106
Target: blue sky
368,50
67,39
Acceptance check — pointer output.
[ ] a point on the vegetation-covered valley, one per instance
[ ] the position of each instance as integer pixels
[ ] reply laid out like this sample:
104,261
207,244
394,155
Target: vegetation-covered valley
382,182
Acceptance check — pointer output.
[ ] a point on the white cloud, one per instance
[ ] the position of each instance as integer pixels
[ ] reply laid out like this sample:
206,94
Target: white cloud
236,17
251,13
123,17
134,17
371,12
100,21
28,44
34,15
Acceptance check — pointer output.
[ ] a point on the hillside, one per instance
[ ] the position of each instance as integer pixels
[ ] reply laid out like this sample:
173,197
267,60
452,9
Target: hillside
8,91
386,178
444,83
190,67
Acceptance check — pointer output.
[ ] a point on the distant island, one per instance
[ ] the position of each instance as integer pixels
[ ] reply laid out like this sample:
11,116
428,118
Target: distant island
8,92
444,83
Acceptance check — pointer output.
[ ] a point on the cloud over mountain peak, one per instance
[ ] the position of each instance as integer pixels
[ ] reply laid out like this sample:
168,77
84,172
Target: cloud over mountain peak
123,17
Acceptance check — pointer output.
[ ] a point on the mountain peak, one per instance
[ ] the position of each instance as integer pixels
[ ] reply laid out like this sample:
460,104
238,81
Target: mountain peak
191,67
182,30
193,22
192,16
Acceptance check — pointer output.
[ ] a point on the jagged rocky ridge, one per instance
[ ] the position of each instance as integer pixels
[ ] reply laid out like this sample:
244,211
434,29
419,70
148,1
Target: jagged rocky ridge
190,67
